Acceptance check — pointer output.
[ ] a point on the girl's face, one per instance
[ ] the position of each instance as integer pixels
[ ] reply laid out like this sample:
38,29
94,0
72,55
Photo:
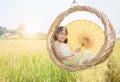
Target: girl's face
62,36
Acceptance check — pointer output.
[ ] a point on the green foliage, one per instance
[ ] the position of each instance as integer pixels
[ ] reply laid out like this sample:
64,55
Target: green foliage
3,30
113,74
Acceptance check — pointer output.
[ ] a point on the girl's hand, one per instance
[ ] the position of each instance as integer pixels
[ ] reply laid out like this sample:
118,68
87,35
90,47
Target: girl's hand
77,50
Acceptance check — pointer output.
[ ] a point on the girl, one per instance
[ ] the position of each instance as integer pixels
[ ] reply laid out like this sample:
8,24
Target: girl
63,51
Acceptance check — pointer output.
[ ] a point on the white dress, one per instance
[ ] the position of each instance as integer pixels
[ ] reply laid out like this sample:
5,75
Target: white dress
77,59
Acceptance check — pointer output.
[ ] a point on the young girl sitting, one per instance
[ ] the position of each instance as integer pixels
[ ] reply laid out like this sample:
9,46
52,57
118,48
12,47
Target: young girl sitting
63,51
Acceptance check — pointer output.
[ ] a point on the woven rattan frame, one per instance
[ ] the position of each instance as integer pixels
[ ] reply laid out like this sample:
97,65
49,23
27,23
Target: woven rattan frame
102,55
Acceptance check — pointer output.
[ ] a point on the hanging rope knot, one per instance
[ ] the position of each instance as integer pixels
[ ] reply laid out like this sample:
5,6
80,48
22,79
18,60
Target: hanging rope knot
75,2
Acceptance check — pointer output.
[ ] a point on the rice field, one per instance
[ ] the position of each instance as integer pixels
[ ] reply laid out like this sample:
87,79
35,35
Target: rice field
28,61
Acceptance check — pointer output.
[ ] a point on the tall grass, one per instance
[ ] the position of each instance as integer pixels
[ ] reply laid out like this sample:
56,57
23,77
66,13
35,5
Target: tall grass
113,74
28,61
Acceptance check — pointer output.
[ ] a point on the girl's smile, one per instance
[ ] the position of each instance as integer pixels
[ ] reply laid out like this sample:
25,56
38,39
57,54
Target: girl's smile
62,36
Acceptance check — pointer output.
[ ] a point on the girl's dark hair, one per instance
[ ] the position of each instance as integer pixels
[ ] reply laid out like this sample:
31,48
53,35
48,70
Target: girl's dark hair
58,30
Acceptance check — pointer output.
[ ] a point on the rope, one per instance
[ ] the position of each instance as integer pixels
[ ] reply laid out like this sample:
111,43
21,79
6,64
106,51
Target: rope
74,3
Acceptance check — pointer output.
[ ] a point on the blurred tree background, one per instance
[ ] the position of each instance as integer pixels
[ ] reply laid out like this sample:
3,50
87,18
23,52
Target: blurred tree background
19,33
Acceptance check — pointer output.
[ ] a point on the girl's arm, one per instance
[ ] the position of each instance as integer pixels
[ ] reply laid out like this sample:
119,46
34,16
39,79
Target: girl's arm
58,54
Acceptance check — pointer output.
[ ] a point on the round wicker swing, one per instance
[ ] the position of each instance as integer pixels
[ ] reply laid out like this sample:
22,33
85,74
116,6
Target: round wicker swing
101,56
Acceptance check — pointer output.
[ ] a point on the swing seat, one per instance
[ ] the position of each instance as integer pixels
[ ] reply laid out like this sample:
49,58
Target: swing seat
98,41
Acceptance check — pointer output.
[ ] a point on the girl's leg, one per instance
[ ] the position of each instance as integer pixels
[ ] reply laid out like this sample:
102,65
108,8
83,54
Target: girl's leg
75,59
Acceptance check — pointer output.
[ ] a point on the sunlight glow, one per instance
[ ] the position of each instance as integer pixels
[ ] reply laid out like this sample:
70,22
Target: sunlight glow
30,31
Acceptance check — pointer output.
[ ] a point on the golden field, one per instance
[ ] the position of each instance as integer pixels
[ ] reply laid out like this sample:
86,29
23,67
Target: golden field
28,61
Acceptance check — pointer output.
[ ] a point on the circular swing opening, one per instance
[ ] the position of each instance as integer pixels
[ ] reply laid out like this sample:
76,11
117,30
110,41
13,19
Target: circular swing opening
102,55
